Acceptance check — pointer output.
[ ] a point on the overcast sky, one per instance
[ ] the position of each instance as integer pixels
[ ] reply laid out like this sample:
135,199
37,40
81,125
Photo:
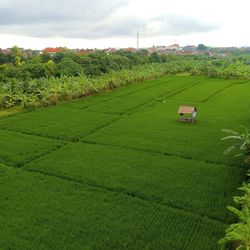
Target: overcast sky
112,23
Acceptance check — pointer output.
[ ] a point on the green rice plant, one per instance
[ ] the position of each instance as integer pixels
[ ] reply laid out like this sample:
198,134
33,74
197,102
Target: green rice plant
152,177
59,122
232,94
17,149
156,128
133,100
203,90
45,212
136,180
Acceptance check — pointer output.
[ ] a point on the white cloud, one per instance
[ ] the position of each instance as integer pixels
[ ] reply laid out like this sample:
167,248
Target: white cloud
98,23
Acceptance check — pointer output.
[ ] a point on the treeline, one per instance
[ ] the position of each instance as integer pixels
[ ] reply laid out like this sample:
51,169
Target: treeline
45,79
23,66
49,91
26,66
226,69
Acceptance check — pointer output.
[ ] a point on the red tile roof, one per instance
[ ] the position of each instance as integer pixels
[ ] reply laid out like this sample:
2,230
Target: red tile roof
130,49
52,50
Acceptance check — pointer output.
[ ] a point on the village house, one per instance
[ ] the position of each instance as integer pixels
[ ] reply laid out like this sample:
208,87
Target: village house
52,51
189,49
151,50
110,50
171,49
175,47
6,51
130,49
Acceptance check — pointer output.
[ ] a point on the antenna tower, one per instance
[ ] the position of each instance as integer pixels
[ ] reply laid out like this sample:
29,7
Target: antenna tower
137,38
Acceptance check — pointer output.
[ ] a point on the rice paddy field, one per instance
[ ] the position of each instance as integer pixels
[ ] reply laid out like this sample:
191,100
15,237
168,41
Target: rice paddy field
119,171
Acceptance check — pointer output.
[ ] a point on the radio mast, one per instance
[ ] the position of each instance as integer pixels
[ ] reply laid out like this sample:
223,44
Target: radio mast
137,38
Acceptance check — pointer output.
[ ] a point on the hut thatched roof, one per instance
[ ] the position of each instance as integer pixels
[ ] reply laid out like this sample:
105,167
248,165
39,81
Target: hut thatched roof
186,110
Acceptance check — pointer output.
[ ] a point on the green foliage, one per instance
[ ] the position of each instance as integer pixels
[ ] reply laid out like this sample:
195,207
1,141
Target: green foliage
45,57
245,199
67,67
36,70
58,57
15,51
14,73
18,61
48,91
242,141
101,62
26,72
4,58
238,234
155,58
51,67
3,72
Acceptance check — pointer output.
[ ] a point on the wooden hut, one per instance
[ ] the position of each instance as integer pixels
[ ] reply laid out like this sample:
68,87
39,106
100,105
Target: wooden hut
187,113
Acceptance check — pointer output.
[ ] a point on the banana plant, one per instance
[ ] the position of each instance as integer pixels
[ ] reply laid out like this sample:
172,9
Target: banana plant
245,199
48,91
241,141
237,236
